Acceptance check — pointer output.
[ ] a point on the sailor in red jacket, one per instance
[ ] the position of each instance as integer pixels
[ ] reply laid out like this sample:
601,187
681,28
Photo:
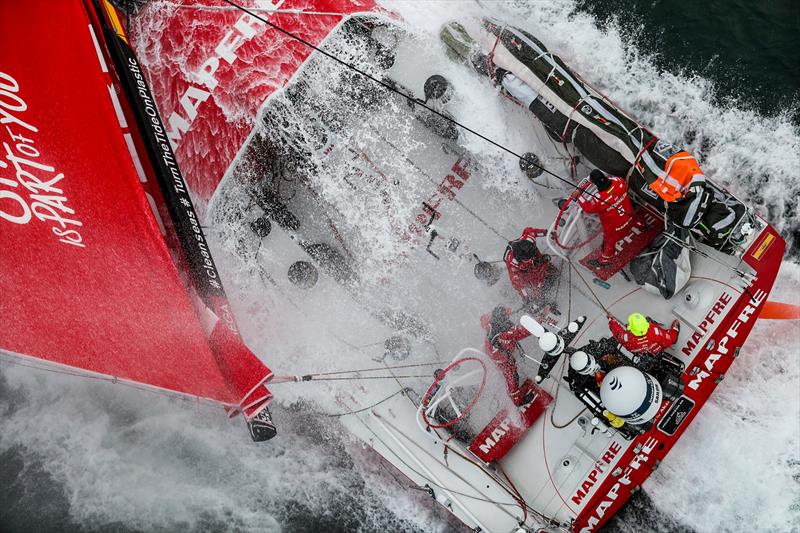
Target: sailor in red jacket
612,205
502,336
531,272
642,336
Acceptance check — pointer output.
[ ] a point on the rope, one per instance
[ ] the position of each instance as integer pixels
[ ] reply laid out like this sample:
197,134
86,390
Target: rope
378,368
522,503
590,289
261,10
538,514
416,101
346,413
569,301
429,480
357,378
335,375
16,360
433,389
419,102
546,519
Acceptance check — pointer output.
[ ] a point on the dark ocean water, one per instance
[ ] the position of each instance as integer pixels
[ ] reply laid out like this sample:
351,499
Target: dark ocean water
750,49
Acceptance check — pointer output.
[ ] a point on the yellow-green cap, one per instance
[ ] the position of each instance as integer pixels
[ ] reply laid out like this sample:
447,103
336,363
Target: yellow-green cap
638,324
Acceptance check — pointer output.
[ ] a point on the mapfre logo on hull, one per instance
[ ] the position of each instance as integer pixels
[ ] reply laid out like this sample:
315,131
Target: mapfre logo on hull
498,433
721,348
244,29
600,467
624,481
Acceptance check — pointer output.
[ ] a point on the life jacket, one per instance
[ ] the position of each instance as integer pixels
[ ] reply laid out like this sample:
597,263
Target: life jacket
680,172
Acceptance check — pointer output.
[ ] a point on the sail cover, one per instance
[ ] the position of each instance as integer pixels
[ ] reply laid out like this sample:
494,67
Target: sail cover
86,277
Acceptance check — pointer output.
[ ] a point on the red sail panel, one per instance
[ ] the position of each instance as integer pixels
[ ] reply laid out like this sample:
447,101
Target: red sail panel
209,93
86,279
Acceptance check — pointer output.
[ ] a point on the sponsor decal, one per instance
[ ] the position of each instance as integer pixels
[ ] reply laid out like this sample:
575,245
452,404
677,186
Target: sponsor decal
161,140
600,467
711,318
446,190
547,104
245,28
207,264
29,187
636,229
497,434
624,480
763,246
176,195
665,149
721,348
676,415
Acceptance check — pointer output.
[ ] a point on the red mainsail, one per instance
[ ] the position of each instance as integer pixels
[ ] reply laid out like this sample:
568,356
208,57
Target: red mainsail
86,277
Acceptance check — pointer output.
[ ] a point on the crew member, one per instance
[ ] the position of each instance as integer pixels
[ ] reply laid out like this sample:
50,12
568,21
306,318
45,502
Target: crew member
642,336
531,272
502,336
612,205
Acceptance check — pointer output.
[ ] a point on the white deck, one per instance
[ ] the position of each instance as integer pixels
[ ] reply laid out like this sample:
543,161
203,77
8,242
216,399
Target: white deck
369,185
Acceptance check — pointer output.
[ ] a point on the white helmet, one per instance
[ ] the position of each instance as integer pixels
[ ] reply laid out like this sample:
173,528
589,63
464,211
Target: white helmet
631,394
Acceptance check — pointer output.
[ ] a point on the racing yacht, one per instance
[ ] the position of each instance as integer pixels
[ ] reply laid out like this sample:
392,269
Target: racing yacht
329,155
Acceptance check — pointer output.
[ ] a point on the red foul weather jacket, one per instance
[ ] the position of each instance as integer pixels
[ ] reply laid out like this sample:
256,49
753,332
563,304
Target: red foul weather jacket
528,277
655,341
614,208
501,349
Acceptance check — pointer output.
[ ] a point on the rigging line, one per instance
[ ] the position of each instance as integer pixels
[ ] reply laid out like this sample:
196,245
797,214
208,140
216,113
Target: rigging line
434,182
202,7
377,368
569,292
522,503
346,413
397,379
428,480
299,379
538,514
459,476
698,251
389,87
477,465
562,426
597,299
11,359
